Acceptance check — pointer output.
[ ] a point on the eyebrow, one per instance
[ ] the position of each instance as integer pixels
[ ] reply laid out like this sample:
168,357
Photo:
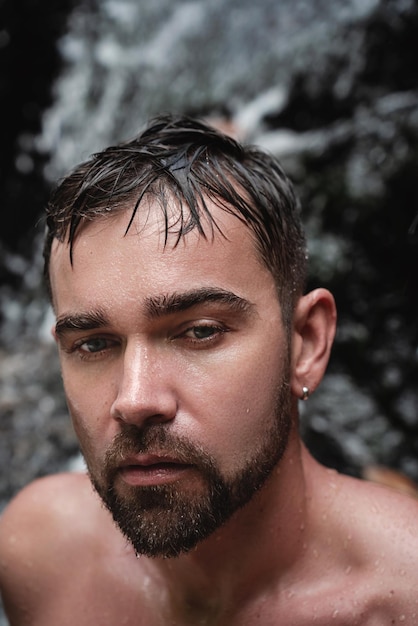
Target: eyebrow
80,321
156,307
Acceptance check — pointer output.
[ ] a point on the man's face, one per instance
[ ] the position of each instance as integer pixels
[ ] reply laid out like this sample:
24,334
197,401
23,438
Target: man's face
176,370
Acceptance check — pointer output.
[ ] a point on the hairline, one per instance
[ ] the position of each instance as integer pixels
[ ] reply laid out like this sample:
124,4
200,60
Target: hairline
128,206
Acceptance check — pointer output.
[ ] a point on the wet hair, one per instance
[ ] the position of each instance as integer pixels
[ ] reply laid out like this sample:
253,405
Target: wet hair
181,162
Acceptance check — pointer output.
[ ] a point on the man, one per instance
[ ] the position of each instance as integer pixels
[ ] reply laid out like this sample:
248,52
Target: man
176,268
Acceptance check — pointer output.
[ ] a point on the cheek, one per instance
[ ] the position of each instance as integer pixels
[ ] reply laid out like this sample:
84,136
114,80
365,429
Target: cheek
89,409
85,427
237,402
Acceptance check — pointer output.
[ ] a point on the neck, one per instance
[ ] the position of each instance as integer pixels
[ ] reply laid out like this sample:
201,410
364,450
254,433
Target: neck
256,546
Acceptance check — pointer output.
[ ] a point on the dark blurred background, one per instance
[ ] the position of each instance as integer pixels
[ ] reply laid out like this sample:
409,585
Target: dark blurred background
29,64
329,86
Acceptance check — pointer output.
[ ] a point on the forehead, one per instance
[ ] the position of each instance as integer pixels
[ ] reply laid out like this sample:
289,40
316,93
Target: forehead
106,256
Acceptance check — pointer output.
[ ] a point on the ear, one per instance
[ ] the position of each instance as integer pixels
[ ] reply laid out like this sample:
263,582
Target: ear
314,324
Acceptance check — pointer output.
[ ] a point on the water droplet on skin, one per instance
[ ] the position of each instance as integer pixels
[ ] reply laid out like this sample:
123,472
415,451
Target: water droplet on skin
348,569
402,618
335,614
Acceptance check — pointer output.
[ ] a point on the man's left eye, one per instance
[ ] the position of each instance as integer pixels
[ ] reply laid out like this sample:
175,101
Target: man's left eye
203,332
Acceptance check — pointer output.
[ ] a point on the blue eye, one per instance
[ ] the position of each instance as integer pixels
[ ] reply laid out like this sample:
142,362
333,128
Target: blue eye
203,335
94,345
204,332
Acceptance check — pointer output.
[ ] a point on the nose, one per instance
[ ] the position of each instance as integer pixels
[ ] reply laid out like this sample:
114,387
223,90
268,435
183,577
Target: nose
145,392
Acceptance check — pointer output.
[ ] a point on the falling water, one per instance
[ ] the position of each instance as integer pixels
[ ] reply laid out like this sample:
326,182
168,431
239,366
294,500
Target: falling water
330,87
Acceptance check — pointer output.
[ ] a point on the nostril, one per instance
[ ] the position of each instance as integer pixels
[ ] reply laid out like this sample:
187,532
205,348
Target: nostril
138,411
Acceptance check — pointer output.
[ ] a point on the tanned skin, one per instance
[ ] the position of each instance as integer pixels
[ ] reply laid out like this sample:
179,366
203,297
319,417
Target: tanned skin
310,546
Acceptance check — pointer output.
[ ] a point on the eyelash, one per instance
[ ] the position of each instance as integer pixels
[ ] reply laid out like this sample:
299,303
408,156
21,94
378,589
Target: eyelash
84,354
217,332
77,348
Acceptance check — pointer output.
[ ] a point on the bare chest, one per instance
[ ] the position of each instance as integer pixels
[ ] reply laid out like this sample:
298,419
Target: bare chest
118,592
105,601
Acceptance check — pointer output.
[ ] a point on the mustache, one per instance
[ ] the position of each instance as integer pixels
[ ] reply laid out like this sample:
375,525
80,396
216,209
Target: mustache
155,439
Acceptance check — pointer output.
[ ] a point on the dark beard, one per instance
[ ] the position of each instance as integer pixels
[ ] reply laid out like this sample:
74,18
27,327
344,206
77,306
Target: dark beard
166,520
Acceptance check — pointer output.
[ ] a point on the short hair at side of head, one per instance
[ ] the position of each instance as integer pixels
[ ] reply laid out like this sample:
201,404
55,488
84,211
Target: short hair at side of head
182,161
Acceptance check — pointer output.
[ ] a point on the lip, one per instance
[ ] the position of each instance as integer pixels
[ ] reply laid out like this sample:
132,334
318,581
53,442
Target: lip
145,460
152,469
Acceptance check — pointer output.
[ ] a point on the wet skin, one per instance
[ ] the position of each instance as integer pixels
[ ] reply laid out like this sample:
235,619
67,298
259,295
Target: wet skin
189,341
189,337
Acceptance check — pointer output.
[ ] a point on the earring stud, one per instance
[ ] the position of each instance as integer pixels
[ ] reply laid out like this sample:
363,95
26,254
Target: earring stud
305,393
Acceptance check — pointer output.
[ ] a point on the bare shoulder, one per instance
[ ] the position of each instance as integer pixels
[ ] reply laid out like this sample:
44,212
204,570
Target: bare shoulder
43,505
366,535
380,528
49,524
63,561
49,515
380,514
